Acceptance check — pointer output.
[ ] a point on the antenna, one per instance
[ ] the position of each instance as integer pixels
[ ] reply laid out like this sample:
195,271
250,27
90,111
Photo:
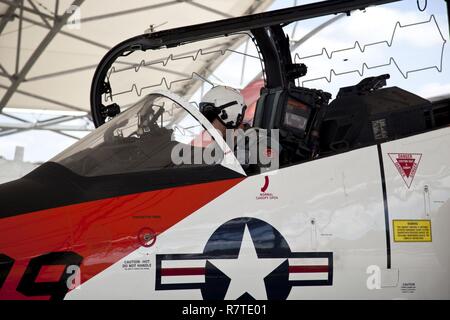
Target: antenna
152,28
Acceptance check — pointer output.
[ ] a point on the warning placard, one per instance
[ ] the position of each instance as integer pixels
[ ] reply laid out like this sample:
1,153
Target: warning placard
407,165
412,230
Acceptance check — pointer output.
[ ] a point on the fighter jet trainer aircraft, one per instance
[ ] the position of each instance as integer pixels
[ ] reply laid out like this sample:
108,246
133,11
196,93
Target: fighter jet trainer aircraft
358,206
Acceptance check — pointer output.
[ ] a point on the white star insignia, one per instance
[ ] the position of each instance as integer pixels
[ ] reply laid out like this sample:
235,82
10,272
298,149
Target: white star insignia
247,272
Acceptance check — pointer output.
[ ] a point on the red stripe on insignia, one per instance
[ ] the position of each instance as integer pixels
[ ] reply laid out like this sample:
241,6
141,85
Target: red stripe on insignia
182,271
308,269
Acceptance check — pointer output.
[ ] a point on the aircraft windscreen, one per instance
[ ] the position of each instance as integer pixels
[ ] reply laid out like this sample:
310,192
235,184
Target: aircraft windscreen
139,139
189,70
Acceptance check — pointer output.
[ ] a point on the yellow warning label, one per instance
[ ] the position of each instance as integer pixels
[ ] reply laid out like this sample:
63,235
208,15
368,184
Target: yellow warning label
412,230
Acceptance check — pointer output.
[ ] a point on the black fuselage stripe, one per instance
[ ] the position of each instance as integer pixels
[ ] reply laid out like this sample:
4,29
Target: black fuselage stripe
52,185
386,208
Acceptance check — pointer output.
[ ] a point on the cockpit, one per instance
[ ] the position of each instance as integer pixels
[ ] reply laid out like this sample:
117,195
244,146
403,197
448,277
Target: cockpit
153,134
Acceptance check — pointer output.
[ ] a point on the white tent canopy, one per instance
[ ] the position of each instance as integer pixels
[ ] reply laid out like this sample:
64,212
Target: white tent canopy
47,63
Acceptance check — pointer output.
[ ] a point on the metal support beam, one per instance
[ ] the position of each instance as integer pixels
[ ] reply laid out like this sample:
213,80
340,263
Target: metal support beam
9,15
164,69
120,13
56,8
207,8
244,60
35,126
4,133
49,125
283,17
39,13
95,43
130,11
93,66
65,134
45,99
89,41
448,15
18,78
27,9
65,33
46,122
14,117
19,38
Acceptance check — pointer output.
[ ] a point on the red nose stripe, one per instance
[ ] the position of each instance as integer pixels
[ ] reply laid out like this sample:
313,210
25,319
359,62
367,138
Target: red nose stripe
102,231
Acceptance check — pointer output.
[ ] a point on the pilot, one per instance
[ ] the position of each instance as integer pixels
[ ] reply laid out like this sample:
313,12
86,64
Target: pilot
224,107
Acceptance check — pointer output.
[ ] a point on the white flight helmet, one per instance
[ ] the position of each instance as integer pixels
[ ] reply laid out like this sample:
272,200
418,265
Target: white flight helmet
225,104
